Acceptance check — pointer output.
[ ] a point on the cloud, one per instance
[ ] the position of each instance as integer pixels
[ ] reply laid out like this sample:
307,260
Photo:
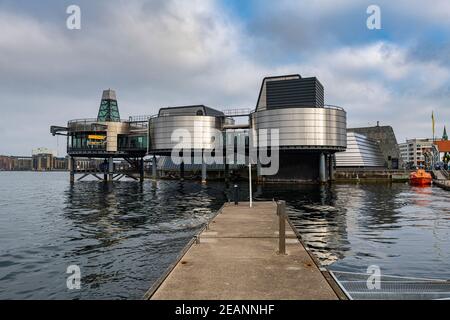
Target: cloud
174,52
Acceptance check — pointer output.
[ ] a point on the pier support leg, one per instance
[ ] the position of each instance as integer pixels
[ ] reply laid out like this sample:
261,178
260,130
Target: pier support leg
111,169
227,172
182,171
322,169
154,168
105,170
141,170
72,169
203,170
331,169
258,170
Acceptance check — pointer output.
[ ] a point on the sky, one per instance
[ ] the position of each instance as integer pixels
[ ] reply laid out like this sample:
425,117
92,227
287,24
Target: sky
160,53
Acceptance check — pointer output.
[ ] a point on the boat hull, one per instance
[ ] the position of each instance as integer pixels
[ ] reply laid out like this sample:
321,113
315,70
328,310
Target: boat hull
420,181
420,178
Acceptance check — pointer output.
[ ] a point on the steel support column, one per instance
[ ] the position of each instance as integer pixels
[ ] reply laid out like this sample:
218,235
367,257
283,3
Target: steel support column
105,170
182,171
203,169
141,170
258,170
72,169
154,168
111,169
322,169
331,168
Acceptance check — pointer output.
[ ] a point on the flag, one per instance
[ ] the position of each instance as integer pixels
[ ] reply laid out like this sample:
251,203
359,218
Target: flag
432,121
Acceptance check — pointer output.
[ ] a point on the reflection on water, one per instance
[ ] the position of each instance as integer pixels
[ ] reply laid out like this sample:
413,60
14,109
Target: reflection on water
402,229
123,236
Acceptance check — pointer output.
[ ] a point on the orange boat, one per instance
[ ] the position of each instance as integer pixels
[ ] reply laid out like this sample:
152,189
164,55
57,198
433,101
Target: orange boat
420,178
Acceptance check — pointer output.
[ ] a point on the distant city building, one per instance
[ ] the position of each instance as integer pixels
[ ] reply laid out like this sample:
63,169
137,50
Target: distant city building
43,162
6,163
413,151
385,137
23,163
60,164
42,150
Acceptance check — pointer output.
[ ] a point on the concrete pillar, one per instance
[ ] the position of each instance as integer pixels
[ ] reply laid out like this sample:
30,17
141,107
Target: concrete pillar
203,169
105,170
331,169
154,168
258,170
227,172
72,169
182,171
141,170
322,169
111,169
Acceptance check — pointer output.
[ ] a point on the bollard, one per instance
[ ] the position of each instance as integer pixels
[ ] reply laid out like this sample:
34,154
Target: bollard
236,195
281,212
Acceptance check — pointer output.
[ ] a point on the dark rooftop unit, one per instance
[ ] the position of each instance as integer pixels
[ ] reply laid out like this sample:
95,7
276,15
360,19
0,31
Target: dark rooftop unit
291,91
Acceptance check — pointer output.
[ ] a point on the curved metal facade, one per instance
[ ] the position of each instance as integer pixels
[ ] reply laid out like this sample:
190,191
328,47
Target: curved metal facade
361,152
201,129
304,128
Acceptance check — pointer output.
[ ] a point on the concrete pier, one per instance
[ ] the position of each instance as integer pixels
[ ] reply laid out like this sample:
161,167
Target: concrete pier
237,257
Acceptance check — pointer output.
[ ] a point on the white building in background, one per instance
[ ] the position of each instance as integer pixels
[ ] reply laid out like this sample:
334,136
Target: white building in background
412,151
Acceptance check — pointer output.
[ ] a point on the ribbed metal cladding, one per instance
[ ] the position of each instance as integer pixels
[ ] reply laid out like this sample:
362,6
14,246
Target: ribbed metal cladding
303,92
200,128
361,152
304,128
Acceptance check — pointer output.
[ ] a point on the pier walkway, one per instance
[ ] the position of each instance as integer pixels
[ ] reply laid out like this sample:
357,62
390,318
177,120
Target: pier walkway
237,257
441,179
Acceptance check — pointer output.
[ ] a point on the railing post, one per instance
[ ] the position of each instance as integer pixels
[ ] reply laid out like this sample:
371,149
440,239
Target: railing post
281,212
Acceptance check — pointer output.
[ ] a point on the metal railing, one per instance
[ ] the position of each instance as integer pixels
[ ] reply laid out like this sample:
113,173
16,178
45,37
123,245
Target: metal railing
237,112
333,107
141,118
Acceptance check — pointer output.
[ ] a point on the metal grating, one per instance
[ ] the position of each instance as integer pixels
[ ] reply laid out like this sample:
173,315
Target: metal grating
303,92
392,287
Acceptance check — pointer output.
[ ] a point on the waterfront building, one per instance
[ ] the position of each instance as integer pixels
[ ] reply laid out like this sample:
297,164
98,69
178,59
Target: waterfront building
43,162
361,152
22,163
6,163
103,139
385,137
310,133
60,164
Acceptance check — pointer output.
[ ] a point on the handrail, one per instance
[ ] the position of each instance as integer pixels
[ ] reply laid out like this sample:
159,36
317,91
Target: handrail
141,118
91,120
333,107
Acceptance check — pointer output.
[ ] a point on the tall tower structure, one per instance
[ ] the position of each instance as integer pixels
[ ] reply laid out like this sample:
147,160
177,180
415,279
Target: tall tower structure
109,109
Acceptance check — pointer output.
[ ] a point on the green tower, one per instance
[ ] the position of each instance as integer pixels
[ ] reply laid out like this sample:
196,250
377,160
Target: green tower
109,109
444,135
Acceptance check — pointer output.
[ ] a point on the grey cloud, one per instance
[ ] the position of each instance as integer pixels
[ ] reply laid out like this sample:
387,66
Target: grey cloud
162,53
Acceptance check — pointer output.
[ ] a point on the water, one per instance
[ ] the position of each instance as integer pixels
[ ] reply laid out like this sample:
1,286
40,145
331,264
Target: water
403,230
124,236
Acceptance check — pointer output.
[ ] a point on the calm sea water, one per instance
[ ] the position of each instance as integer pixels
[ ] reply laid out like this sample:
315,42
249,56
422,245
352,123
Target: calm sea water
123,236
